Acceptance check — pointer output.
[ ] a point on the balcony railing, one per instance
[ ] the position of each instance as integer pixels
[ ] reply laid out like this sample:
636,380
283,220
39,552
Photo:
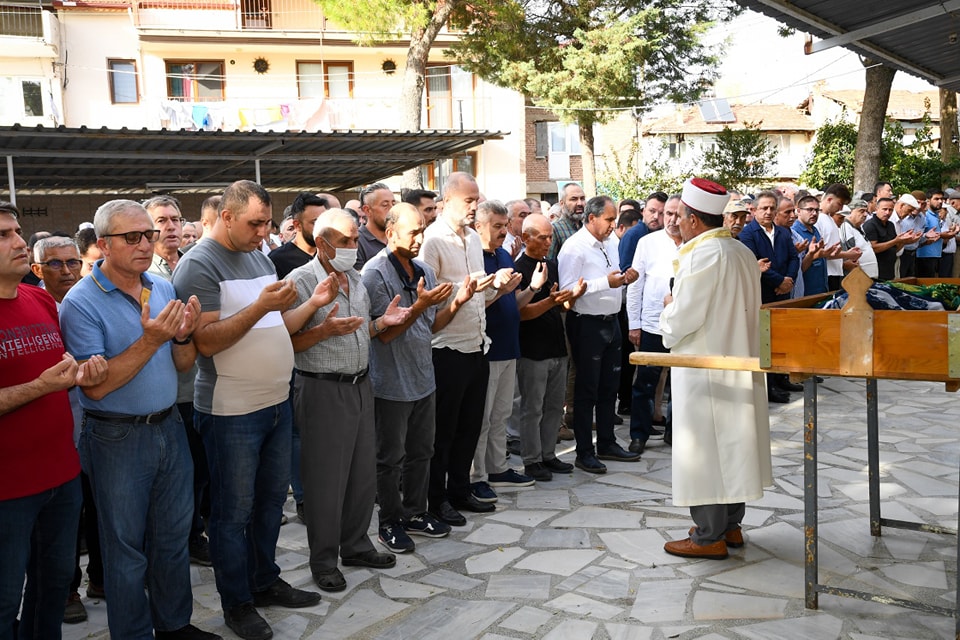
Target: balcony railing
21,20
319,114
229,15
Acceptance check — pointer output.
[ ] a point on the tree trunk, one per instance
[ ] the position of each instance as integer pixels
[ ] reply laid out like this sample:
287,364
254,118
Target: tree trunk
587,158
414,78
949,150
876,96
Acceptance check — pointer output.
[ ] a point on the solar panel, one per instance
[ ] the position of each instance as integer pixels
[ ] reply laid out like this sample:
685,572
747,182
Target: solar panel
716,110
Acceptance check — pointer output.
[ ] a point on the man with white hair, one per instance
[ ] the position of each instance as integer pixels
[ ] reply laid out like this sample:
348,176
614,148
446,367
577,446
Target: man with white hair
721,428
133,445
56,261
333,400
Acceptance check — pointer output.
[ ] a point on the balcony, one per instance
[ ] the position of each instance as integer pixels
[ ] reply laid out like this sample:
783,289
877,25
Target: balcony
319,114
27,31
229,15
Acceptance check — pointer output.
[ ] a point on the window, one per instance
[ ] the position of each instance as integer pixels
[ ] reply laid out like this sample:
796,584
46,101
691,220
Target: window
195,80
32,98
449,97
330,79
123,81
433,175
21,21
257,14
24,99
564,138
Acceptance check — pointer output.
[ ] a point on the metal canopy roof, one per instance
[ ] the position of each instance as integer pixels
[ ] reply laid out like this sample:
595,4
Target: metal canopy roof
62,160
916,36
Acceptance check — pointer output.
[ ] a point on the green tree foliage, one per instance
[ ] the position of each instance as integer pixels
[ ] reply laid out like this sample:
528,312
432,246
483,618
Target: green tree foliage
742,157
624,178
832,156
586,59
917,165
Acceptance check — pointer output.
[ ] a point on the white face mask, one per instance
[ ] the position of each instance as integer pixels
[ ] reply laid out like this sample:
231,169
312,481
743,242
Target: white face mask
344,260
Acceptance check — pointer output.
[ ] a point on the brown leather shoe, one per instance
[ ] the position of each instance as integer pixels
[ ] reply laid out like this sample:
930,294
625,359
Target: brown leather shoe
565,433
688,549
733,538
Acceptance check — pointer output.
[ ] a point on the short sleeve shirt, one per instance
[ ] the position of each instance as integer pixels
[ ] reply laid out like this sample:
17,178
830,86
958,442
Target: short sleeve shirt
254,373
402,369
876,231
99,318
541,337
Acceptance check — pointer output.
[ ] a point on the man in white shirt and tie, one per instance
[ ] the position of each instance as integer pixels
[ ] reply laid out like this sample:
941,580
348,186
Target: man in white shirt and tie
594,332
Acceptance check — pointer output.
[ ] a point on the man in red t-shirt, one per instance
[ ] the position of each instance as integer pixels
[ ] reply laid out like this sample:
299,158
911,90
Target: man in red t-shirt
39,467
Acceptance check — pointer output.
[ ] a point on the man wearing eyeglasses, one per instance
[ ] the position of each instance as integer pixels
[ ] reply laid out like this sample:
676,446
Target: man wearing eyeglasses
57,263
814,262
132,444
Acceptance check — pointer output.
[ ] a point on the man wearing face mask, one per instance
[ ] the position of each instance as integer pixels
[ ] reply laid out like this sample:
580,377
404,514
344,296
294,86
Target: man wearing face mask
333,400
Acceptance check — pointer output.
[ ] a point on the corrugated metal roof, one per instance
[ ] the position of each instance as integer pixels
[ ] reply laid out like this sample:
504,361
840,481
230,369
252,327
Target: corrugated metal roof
50,160
920,38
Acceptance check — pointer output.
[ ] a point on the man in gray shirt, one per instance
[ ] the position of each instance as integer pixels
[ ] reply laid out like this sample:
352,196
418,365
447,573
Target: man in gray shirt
333,400
401,368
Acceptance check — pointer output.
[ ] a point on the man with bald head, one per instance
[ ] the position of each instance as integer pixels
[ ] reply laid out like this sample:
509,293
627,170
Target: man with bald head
542,367
454,251
401,372
333,400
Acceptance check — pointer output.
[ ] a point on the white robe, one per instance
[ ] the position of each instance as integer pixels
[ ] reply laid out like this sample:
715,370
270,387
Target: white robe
721,427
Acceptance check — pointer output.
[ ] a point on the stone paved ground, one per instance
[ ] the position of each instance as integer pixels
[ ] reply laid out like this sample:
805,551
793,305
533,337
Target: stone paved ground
581,557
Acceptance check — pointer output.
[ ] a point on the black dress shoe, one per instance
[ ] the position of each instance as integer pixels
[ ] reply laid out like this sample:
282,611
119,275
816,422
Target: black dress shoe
470,503
784,384
590,464
556,465
244,621
188,632
637,445
330,580
373,559
617,420
616,452
281,594
446,513
777,395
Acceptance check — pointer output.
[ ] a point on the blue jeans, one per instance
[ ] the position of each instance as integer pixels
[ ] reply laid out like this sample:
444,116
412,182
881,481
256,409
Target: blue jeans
142,479
249,458
38,537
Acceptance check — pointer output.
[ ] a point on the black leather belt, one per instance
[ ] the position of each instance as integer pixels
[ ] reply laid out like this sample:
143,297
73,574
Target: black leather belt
349,378
150,418
606,318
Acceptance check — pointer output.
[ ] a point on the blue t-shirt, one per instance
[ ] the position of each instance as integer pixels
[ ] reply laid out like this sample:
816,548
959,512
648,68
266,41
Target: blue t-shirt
503,316
628,243
98,318
933,249
815,277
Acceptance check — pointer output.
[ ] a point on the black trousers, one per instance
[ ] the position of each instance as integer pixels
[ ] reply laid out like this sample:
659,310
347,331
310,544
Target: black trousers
461,396
928,267
595,345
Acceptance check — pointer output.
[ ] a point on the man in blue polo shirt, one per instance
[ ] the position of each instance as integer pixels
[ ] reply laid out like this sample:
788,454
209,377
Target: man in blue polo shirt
133,445
814,262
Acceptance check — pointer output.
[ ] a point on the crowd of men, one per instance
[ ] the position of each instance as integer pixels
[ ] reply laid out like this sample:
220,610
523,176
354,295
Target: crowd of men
178,378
